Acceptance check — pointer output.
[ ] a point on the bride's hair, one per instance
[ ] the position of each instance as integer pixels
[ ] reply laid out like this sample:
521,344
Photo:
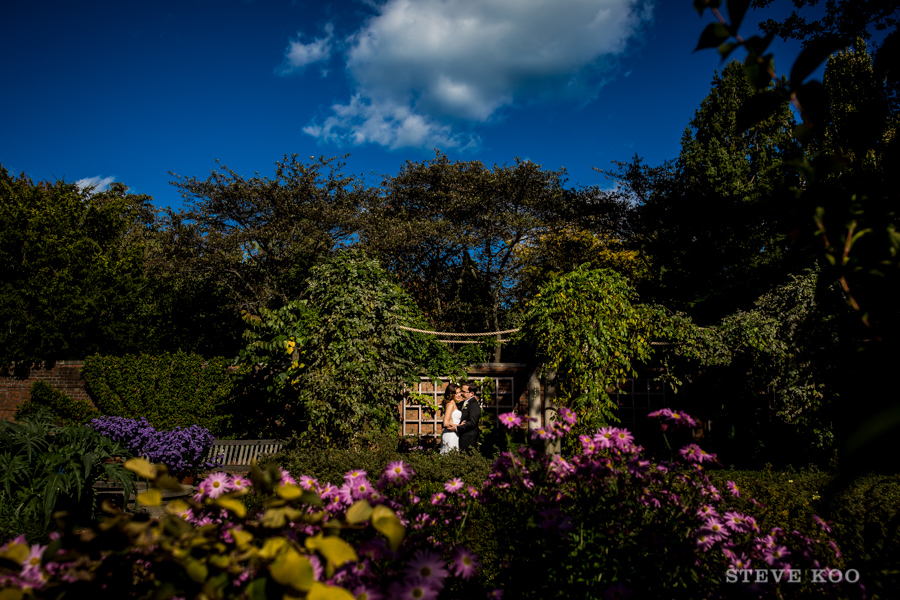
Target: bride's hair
449,393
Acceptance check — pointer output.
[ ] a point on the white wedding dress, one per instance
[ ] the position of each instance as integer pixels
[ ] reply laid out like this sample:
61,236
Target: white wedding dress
449,439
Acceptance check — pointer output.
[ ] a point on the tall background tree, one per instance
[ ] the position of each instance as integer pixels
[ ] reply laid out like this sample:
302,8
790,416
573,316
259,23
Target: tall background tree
72,271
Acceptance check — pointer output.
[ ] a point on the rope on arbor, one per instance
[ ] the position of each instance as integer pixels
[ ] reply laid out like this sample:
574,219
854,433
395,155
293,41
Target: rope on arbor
460,334
467,341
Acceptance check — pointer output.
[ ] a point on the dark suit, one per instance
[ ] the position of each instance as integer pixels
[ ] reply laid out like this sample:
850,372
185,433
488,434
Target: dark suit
468,432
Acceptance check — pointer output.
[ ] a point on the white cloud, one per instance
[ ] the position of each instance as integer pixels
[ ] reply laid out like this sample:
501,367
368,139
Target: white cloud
422,66
99,184
298,54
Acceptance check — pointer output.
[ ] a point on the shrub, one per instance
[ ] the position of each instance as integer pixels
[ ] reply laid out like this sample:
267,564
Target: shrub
169,390
65,410
862,514
183,450
44,468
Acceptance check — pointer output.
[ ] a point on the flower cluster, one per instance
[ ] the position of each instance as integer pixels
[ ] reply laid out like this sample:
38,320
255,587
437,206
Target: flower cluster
679,520
183,450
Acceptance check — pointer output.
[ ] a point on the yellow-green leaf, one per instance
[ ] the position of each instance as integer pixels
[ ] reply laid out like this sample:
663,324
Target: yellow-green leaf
142,467
197,571
177,507
335,550
150,498
320,591
293,570
385,521
233,505
359,512
241,537
17,552
290,492
273,547
11,594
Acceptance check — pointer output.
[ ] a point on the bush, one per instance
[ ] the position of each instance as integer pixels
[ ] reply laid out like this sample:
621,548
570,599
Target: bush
183,450
863,514
169,390
44,468
64,409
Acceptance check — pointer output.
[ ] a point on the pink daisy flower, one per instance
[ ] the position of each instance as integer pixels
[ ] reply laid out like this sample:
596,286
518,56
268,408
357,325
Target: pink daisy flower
217,484
775,554
705,540
605,438
733,488
366,593
510,420
707,511
397,471
568,415
308,483
464,563
428,567
353,475
287,479
624,438
438,498
413,590
239,483
454,485
821,523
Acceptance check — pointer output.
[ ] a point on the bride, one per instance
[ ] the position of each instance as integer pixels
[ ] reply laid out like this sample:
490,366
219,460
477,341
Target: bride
452,416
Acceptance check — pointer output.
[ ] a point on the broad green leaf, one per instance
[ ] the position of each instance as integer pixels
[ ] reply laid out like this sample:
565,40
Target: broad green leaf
17,553
812,55
387,523
713,35
232,505
272,547
320,591
736,11
196,570
335,550
241,538
141,467
150,498
359,512
177,507
290,492
292,569
759,107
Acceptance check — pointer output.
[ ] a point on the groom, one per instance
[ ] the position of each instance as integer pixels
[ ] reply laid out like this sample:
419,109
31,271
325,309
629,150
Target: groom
468,430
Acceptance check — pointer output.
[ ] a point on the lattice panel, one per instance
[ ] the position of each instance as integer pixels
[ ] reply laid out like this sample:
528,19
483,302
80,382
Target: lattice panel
420,419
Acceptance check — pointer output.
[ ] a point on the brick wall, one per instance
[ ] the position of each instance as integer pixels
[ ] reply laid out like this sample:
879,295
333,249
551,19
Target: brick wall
65,376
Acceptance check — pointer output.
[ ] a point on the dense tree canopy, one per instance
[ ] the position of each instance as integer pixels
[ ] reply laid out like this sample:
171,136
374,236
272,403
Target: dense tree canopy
71,270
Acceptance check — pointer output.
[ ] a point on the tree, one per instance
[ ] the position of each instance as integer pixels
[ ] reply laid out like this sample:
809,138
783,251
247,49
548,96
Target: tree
710,223
334,362
449,231
72,279
258,238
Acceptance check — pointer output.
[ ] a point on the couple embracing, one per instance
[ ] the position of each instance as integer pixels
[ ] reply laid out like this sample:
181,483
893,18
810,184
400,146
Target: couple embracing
461,414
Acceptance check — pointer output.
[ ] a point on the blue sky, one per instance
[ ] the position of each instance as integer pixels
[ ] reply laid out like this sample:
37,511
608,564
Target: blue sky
128,91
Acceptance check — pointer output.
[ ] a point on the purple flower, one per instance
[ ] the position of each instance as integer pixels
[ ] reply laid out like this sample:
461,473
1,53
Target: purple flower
510,420
454,485
397,472
821,523
216,484
733,488
464,563
353,475
773,555
568,415
427,567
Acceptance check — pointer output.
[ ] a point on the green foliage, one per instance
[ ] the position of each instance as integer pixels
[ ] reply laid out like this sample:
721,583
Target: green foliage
862,513
44,468
71,270
710,225
66,410
449,230
169,390
334,362
256,239
585,327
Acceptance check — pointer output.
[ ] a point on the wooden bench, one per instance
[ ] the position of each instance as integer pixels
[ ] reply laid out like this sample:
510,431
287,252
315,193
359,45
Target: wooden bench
236,455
